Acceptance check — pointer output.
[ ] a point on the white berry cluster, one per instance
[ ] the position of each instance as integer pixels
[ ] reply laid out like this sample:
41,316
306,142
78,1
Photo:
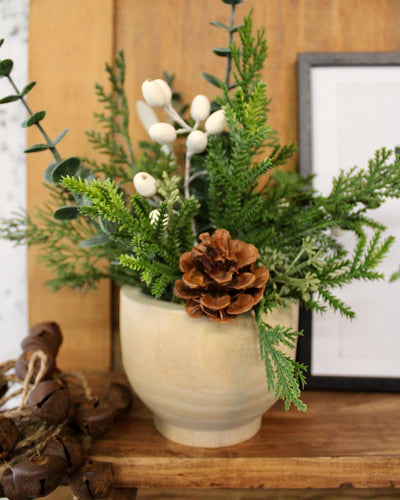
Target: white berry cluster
157,93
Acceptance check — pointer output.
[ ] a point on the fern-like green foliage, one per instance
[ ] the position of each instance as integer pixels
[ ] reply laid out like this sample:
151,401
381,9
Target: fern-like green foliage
298,244
233,173
152,247
284,375
113,140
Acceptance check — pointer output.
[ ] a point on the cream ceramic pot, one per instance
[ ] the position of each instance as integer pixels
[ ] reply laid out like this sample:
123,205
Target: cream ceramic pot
204,382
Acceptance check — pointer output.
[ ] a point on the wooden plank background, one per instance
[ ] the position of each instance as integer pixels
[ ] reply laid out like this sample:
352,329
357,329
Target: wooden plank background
69,43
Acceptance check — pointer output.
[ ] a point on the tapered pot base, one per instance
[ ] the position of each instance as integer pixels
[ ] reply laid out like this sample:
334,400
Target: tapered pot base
207,438
205,382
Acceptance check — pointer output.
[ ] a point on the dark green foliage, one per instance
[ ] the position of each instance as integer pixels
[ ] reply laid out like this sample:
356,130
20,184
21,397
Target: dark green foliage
113,140
69,166
9,98
6,66
248,57
233,173
213,80
233,2
284,375
152,248
28,88
67,212
298,245
155,161
38,148
35,118
292,226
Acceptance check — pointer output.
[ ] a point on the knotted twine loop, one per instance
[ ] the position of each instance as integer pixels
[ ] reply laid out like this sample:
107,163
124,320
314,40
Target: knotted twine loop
35,432
27,387
38,360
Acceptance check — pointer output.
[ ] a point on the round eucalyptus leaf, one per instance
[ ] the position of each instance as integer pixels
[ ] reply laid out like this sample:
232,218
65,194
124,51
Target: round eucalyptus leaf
69,166
107,226
95,241
28,88
60,136
6,65
67,212
47,173
222,51
35,118
220,25
36,148
9,98
212,79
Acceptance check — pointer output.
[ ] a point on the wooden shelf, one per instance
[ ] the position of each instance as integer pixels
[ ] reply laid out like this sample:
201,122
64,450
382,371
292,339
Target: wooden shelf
344,439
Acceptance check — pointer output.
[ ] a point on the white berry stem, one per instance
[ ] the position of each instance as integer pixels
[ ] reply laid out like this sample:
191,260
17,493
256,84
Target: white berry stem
177,118
197,174
187,174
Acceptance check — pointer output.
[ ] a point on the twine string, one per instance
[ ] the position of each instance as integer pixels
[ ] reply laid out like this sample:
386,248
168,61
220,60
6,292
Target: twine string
32,366
81,381
7,366
35,432
8,398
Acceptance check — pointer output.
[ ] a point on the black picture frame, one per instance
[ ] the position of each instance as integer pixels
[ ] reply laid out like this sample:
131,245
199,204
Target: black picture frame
306,62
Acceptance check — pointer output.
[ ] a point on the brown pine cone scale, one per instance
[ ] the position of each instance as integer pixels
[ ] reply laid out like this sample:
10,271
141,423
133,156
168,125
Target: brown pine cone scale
220,278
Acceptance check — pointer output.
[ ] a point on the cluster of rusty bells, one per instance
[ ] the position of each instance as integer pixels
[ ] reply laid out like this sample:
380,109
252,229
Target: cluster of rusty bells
61,457
220,278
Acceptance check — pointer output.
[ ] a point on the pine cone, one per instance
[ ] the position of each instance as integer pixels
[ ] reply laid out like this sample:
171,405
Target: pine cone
220,277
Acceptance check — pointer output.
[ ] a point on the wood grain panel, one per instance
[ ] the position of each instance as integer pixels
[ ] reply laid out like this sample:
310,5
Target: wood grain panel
69,43
344,440
176,36
315,494
64,493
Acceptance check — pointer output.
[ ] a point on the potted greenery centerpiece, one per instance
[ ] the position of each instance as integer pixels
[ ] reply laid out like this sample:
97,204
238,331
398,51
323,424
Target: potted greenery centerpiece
212,263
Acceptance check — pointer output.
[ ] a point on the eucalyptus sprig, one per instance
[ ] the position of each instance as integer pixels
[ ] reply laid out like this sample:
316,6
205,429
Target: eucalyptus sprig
74,248
56,170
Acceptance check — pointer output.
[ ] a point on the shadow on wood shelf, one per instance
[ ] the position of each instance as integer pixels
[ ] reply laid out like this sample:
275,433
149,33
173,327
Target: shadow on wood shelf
63,493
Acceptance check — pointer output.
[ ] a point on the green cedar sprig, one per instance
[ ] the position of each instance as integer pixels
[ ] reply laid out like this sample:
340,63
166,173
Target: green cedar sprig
150,249
233,171
113,139
284,375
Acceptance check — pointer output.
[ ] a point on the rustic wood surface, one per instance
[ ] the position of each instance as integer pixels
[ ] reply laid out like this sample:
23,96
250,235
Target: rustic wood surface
64,493
344,494
344,439
69,43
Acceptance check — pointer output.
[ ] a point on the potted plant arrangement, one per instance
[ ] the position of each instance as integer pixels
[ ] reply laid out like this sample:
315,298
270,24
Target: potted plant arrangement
212,262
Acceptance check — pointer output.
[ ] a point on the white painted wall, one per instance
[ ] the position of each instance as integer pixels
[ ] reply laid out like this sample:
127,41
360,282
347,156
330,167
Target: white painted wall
13,289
